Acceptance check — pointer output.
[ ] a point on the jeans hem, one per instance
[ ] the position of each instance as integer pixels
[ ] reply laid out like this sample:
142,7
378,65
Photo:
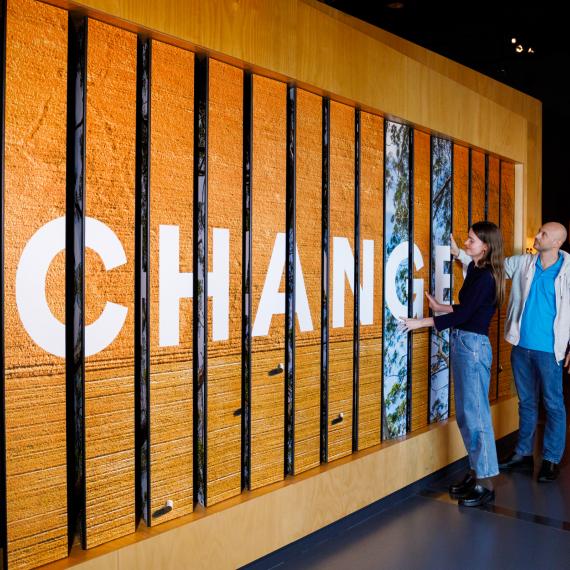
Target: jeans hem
528,454
487,476
556,461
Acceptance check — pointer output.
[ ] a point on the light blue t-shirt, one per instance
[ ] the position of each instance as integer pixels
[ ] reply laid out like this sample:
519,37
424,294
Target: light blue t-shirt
537,326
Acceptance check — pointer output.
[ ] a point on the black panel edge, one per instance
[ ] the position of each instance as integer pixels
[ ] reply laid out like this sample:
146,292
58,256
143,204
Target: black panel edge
246,280
411,165
430,282
486,187
325,269
356,339
382,407
200,277
451,262
469,188
142,283
290,285
75,274
3,508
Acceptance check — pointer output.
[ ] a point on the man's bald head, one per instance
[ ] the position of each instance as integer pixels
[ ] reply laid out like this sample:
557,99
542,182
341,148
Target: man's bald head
550,236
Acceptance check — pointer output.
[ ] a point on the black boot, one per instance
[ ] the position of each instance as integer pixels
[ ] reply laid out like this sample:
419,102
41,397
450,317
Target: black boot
479,495
548,471
461,488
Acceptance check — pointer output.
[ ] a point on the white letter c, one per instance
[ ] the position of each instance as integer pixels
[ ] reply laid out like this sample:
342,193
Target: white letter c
38,320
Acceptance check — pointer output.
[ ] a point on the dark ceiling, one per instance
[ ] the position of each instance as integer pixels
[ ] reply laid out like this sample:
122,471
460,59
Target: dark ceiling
478,35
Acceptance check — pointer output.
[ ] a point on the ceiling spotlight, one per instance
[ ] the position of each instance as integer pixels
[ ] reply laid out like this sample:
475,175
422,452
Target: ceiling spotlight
513,40
395,5
519,48
530,50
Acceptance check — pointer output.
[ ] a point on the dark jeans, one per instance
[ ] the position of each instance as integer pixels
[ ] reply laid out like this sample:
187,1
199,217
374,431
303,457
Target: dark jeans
538,372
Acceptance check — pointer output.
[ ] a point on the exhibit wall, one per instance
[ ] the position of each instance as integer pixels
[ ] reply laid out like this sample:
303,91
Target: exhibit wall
208,245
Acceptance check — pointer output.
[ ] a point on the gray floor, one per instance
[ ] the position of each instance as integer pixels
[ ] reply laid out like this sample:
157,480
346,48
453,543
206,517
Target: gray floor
527,527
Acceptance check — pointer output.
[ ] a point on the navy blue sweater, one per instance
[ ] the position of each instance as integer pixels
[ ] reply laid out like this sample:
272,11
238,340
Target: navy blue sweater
476,303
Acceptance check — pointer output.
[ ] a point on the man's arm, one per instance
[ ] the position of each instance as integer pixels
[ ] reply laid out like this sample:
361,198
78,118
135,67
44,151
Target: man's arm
511,263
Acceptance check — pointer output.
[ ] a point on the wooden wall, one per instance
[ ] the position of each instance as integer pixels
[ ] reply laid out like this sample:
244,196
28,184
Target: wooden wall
171,204
268,215
371,229
422,237
34,383
278,42
225,148
309,235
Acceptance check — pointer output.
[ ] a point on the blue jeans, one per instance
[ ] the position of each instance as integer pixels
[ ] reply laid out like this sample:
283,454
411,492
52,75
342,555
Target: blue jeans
535,372
471,357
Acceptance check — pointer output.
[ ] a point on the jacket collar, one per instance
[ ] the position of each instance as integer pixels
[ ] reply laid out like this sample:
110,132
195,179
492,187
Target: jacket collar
565,262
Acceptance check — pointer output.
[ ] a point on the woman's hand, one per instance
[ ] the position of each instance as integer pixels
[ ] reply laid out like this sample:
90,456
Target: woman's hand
438,307
433,304
407,325
454,248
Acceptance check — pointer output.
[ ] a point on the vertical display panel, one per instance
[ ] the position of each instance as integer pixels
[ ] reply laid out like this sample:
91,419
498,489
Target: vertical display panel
371,236
507,224
268,281
460,229
478,198
421,264
396,277
493,216
34,278
171,223
460,225
308,282
440,279
341,284
225,148
109,283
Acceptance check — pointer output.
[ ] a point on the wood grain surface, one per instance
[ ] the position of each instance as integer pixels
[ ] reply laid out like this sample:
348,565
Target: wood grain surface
171,201
268,213
110,197
34,383
507,171
372,230
341,226
309,238
493,216
477,186
225,152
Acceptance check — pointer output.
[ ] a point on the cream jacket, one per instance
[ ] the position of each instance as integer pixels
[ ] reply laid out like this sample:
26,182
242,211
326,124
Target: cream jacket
520,269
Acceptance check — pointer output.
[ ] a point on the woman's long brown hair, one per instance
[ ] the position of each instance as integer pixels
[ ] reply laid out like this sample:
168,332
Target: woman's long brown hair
494,257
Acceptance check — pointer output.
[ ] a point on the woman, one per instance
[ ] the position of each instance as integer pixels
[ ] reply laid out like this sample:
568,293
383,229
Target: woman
482,291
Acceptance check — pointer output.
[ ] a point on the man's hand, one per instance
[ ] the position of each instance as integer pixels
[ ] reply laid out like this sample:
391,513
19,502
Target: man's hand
567,362
454,248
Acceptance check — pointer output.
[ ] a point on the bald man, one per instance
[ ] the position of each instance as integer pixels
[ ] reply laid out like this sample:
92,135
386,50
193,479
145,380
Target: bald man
538,325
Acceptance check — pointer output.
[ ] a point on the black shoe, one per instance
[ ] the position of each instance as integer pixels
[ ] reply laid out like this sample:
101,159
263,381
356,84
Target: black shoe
548,471
516,462
478,496
462,488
